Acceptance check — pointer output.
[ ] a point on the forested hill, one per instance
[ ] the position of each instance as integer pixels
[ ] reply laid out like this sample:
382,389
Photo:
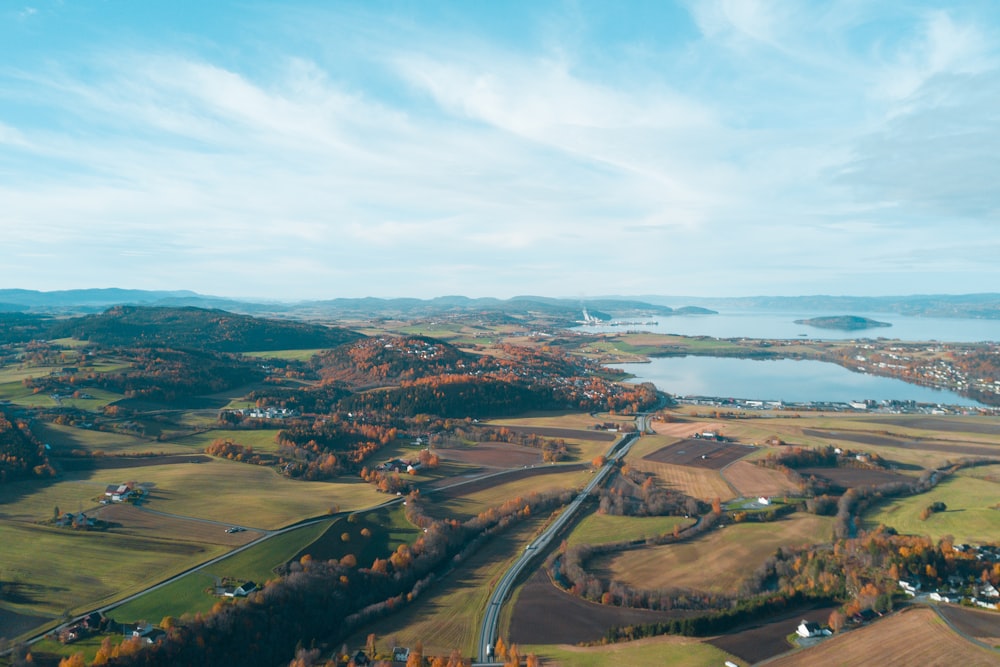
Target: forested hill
197,329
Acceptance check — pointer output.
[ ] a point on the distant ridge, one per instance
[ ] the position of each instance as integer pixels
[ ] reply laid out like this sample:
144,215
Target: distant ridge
77,301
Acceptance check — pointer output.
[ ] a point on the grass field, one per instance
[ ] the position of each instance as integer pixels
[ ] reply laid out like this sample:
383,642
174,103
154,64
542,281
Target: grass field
388,529
753,480
70,437
716,561
652,652
67,570
698,483
218,490
448,615
190,594
463,507
599,528
914,636
972,515
262,440
291,355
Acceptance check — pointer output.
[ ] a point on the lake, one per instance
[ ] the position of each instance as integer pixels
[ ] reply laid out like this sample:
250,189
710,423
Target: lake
787,380
782,325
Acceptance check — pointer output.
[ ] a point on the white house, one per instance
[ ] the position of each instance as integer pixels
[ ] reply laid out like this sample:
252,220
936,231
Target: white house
808,629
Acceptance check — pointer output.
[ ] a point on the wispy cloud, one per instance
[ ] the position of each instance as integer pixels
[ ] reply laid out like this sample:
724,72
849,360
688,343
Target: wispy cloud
767,141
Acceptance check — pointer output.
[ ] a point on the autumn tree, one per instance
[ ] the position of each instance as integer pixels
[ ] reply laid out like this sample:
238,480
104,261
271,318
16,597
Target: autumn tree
836,620
416,657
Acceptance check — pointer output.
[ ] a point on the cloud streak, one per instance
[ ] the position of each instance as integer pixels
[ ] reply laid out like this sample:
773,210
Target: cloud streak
777,148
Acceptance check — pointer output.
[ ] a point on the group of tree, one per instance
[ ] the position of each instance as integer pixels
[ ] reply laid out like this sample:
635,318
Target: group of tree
21,454
632,492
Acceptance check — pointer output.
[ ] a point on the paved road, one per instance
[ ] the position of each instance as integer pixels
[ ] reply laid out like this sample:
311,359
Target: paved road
491,620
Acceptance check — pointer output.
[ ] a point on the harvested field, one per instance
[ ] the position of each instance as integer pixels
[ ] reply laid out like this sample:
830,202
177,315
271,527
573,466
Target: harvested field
982,425
767,640
912,636
478,485
13,624
752,480
685,429
846,478
492,455
137,521
718,560
565,433
649,652
979,623
119,462
696,482
543,614
928,445
700,453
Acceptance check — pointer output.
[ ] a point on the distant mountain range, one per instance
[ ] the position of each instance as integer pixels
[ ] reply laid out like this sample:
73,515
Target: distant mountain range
972,306
86,301
83,301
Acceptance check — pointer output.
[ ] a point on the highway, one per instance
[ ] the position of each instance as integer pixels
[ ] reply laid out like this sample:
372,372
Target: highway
491,620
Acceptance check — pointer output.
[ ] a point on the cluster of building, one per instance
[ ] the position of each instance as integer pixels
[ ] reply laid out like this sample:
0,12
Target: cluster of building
981,593
88,625
868,405
267,413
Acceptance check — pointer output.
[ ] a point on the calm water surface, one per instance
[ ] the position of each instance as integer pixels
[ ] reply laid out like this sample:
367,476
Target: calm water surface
782,325
786,380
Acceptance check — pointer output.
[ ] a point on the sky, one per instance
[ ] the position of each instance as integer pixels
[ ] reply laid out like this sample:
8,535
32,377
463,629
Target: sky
309,150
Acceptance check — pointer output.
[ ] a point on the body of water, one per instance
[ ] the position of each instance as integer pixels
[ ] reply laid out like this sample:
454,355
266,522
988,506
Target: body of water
787,380
782,325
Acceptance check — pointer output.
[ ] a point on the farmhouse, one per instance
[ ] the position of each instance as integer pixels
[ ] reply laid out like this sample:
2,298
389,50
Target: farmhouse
808,629
909,587
119,493
240,591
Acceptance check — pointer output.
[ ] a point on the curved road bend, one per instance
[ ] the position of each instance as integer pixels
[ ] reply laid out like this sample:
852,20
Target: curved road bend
491,620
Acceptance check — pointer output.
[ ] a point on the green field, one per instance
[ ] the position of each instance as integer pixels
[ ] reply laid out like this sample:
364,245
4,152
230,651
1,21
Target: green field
599,528
291,355
972,515
191,594
64,570
387,528
673,651
262,440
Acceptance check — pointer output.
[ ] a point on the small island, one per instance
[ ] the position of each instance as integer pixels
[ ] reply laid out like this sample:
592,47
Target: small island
844,323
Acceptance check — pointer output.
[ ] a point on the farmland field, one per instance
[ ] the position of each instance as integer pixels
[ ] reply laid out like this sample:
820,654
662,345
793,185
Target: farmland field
913,636
715,561
979,623
191,593
971,516
541,613
468,500
700,483
84,569
651,652
700,453
753,480
599,528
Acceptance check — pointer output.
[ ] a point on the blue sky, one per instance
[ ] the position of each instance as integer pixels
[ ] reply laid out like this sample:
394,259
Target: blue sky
301,150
